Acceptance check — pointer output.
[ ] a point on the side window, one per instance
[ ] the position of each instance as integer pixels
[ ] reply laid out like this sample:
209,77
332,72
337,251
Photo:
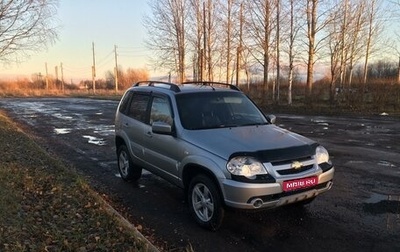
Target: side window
161,111
123,108
138,107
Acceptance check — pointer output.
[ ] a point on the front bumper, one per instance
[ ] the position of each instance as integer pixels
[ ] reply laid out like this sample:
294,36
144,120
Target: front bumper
270,195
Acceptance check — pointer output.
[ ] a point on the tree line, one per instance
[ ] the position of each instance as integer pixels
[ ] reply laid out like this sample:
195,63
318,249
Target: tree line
268,40
125,79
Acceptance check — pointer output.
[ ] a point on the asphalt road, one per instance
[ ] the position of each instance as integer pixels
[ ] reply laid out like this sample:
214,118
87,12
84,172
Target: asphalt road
360,213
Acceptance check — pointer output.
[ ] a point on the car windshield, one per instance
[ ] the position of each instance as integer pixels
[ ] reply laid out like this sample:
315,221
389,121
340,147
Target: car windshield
217,110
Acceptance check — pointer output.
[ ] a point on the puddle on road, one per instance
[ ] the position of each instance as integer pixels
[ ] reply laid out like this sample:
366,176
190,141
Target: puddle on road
95,140
62,131
386,163
323,123
355,162
387,205
320,122
378,197
61,116
30,115
104,130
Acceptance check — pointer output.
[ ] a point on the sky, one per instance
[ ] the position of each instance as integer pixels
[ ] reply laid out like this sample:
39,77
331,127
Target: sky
105,23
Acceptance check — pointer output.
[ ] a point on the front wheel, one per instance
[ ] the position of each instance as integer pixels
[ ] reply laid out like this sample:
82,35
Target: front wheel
205,202
127,170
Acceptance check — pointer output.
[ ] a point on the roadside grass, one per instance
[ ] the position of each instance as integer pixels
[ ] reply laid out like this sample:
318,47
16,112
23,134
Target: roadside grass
46,206
374,98
74,93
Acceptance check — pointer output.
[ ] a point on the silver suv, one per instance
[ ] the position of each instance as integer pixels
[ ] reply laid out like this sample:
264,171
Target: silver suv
211,140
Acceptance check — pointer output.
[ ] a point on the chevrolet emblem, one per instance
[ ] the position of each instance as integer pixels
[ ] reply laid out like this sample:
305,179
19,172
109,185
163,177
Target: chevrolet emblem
296,165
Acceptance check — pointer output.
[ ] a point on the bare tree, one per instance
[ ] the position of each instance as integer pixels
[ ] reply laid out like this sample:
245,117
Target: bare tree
260,29
210,39
26,26
347,32
134,75
294,27
229,28
166,29
312,6
374,28
344,10
355,38
317,19
195,36
278,46
335,43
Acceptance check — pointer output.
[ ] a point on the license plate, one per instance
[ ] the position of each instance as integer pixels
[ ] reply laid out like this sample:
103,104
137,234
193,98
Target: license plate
296,184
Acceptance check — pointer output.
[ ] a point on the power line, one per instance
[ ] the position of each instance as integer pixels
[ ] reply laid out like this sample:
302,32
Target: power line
105,58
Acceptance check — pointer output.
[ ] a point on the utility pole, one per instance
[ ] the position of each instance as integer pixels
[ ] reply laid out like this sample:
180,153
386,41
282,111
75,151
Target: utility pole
116,70
398,73
237,65
195,68
56,69
201,68
62,77
94,70
47,77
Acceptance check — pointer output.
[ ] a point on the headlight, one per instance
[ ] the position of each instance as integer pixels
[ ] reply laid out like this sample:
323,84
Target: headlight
321,154
245,166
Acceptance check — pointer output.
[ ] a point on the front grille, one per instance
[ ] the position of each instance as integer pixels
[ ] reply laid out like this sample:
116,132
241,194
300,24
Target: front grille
292,166
295,171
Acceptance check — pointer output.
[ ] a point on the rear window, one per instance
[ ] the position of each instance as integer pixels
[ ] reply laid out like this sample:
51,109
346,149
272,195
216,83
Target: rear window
138,107
123,107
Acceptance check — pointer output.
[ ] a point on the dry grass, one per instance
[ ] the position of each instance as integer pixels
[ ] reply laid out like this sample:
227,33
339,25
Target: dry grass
45,206
373,98
376,99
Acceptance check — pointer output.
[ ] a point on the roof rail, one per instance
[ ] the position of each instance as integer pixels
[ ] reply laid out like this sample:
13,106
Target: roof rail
212,84
160,84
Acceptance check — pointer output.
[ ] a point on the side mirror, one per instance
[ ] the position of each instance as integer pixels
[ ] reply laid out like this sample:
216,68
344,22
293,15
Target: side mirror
161,128
271,119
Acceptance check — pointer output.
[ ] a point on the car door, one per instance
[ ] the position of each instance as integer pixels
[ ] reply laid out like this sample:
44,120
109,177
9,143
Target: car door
160,149
135,123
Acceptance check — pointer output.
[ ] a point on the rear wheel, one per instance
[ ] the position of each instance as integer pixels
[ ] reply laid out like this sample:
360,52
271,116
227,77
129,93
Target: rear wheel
205,202
127,170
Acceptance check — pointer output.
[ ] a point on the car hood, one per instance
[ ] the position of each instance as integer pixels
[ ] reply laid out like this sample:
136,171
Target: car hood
267,142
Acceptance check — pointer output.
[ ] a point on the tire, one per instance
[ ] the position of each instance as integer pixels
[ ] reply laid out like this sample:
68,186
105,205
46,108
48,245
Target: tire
127,169
205,203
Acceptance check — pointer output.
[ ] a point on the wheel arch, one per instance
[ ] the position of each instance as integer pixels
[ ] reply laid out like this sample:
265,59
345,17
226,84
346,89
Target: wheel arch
118,142
192,170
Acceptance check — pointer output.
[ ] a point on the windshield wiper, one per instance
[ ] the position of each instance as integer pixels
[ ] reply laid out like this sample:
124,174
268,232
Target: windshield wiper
253,124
